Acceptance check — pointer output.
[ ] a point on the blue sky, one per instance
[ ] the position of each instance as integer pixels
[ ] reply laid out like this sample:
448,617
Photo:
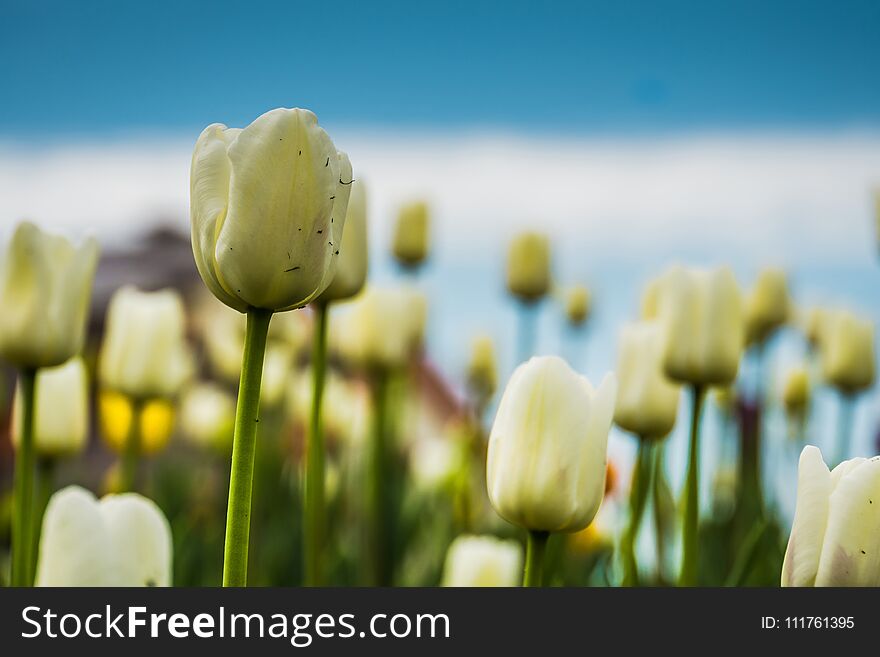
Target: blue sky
106,66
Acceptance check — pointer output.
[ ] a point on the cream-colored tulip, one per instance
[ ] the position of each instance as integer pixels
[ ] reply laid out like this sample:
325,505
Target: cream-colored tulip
768,305
207,416
144,353
434,461
650,301
528,266
382,327
483,561
796,391
482,369
702,316
276,366
121,540
647,401
61,424
547,449
410,246
268,206
351,266
835,537
847,352
45,288
813,324
577,305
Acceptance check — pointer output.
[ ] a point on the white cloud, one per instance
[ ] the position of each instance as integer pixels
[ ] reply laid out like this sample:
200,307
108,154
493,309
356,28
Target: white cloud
753,196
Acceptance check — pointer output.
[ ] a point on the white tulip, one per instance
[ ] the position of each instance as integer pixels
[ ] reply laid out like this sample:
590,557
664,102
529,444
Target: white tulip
61,425
767,307
847,351
410,246
207,416
121,540
647,401
547,449
835,537
483,561
268,206
351,265
45,288
702,315
144,353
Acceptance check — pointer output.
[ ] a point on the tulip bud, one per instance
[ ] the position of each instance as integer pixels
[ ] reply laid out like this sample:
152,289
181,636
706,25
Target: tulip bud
411,234
767,308
725,399
847,349
702,316
156,422
814,324
207,416
144,353
381,327
650,302
351,265
577,305
61,424
45,287
482,370
647,402
121,540
482,561
796,391
268,206
547,449
835,537
528,267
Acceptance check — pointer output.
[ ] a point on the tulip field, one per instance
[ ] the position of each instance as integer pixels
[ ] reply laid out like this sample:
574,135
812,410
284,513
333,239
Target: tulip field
281,421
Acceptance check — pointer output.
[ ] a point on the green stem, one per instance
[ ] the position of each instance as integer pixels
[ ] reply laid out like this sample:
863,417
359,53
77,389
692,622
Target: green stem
690,539
660,493
638,496
844,423
379,527
536,546
45,487
313,534
241,476
22,544
131,452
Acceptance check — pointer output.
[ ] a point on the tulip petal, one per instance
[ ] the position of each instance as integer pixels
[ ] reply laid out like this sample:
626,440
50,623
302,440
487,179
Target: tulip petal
141,536
851,549
810,519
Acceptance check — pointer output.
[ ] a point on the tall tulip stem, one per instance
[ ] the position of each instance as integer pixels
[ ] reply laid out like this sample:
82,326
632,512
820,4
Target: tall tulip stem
844,423
536,546
690,539
131,451
378,514
638,497
238,511
313,534
22,543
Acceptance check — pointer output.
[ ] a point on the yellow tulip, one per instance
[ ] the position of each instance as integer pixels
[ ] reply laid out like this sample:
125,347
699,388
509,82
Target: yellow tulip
268,206
577,304
847,352
482,369
410,245
528,266
45,288
796,391
156,422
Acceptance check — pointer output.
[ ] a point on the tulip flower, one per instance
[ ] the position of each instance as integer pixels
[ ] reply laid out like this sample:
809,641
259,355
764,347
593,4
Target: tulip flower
835,537
61,424
268,205
547,452
120,540
482,371
482,561
410,244
528,280
434,462
813,323
45,287
207,416
155,423
351,274
577,305
767,307
846,349
647,405
144,356
796,396
702,318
